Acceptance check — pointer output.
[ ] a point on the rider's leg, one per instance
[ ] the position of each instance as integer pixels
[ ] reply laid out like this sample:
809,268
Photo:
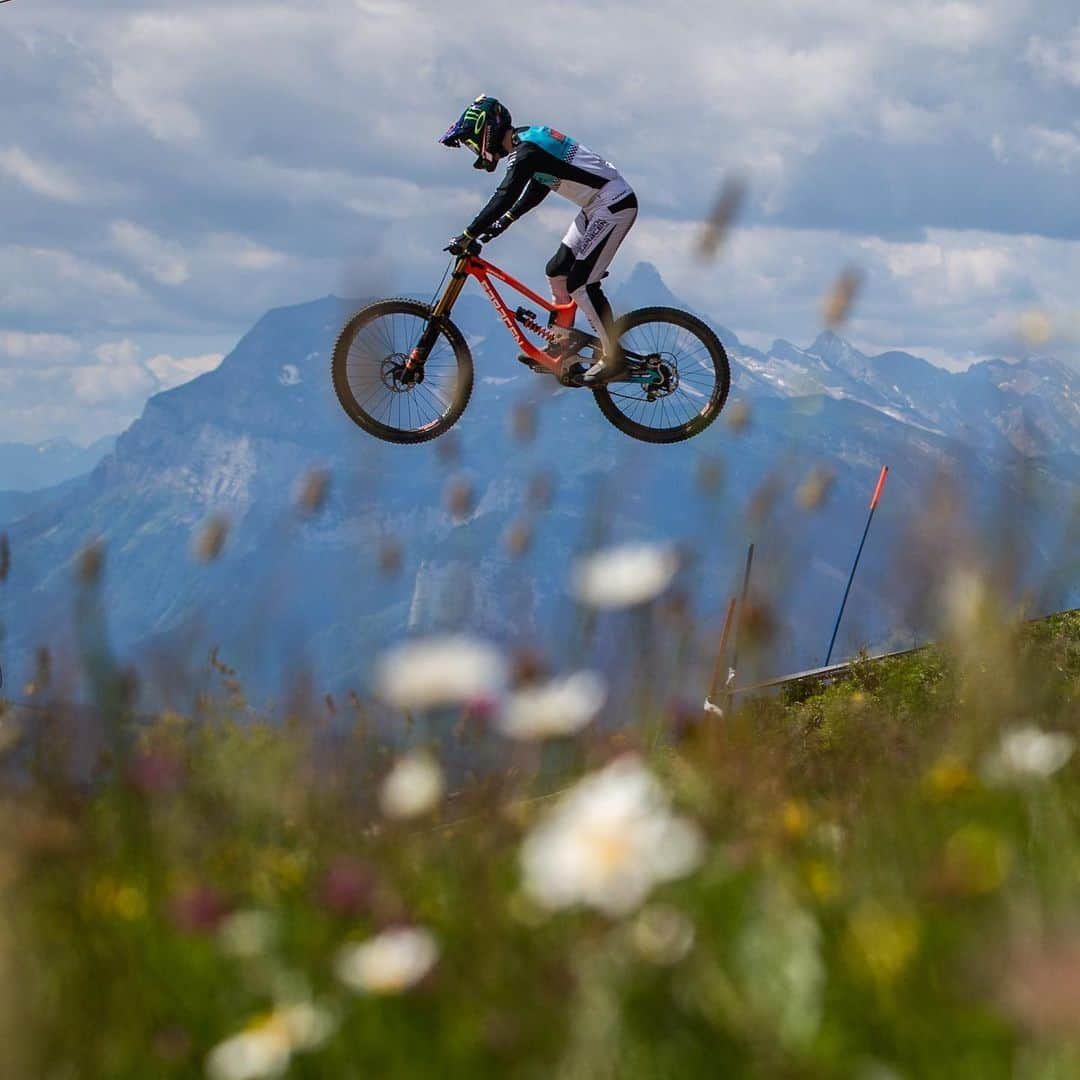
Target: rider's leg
557,268
608,229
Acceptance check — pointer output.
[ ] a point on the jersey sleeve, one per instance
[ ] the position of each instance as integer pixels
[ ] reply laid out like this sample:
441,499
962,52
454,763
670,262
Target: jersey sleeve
533,195
520,167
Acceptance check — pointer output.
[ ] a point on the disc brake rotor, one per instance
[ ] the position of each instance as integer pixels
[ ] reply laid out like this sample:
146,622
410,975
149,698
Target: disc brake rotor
668,371
396,377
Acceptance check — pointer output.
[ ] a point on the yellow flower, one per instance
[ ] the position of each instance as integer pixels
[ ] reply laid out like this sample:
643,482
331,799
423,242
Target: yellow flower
795,818
118,899
946,777
881,943
822,880
976,860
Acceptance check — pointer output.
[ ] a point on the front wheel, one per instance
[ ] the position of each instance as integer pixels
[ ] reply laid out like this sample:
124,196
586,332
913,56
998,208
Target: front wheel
378,390
677,376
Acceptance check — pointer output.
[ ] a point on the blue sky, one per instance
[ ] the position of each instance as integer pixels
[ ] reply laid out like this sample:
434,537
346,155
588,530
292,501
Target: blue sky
168,172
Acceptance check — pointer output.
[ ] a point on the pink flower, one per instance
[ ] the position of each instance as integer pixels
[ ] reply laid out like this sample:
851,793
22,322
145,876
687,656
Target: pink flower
198,909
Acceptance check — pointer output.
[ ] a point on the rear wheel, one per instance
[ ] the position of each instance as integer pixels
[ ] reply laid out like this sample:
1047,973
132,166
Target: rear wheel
681,376
380,393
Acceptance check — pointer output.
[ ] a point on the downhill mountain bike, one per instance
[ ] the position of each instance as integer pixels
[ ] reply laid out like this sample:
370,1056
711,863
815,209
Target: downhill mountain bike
403,371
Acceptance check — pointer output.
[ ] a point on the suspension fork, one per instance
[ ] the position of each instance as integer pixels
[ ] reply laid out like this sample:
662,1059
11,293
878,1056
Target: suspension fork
418,357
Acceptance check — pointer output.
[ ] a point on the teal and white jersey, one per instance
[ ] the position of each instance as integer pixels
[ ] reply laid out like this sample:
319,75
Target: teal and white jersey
545,160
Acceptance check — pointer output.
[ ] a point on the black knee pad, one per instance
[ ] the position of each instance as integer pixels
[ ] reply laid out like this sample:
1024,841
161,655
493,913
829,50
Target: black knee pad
559,264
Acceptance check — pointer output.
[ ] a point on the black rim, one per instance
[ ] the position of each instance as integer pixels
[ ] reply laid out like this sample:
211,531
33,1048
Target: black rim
688,384
384,390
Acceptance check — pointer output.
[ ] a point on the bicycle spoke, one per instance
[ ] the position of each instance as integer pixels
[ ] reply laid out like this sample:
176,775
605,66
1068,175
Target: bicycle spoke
374,361
690,380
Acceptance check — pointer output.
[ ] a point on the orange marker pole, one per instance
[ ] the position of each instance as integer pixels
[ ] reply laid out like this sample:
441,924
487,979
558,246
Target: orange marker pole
851,577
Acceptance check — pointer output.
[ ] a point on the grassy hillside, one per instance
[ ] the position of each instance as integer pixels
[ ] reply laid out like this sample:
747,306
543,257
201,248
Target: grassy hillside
876,878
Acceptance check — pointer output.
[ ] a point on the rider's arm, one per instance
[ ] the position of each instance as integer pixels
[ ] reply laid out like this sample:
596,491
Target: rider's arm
531,198
519,171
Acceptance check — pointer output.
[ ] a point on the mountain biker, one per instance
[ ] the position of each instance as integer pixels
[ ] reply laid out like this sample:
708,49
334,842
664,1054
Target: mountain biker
541,160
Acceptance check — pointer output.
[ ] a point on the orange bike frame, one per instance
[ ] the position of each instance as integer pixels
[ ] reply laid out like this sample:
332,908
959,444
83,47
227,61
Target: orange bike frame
483,271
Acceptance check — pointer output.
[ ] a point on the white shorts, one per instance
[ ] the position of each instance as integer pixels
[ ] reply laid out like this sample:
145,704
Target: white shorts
596,233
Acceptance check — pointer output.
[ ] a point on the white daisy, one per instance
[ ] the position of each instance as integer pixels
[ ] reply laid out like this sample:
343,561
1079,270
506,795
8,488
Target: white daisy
265,1048
413,786
1028,753
625,576
559,707
430,672
608,842
390,962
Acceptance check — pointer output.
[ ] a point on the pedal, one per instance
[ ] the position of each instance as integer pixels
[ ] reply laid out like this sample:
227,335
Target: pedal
574,375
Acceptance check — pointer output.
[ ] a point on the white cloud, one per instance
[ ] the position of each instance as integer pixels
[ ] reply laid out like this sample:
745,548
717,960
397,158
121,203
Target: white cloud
43,179
242,253
1056,60
112,380
65,267
1060,149
49,347
151,60
172,371
123,353
154,256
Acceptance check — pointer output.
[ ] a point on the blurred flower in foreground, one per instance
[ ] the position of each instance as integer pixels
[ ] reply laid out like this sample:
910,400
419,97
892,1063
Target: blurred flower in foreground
624,576
199,909
459,497
840,295
881,943
211,538
390,962
247,933
779,965
156,771
437,671
413,786
389,557
738,416
966,603
1028,753
265,1047
948,775
90,562
312,490
1035,327
346,887
975,862
721,217
814,490
559,707
608,842
1041,986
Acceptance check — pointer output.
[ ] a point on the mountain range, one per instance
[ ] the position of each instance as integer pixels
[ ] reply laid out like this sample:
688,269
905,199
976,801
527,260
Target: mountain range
387,554
26,467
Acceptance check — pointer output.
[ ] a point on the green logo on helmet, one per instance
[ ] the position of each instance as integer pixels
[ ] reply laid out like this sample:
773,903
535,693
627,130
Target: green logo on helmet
478,115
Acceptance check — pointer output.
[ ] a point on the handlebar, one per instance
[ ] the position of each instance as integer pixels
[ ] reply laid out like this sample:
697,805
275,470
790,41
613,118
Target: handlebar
474,248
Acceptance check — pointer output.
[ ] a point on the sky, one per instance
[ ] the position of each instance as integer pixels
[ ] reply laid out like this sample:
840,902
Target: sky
168,172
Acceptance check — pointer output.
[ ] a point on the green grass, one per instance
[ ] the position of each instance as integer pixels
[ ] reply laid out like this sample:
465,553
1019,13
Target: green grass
871,900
